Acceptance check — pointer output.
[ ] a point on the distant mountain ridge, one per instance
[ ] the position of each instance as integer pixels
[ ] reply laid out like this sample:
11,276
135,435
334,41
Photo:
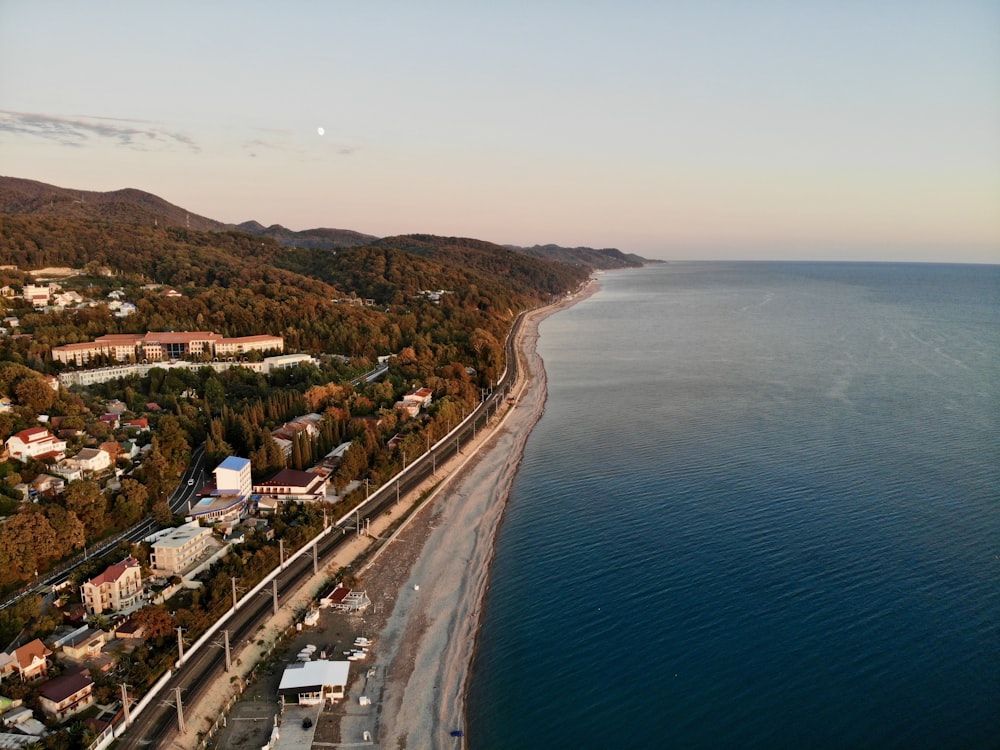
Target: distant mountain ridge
20,196
129,205
312,239
586,257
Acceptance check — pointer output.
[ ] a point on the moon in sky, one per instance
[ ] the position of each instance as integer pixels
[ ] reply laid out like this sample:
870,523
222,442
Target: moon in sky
320,131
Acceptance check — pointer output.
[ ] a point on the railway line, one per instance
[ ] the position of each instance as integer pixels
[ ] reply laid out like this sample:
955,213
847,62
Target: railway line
159,722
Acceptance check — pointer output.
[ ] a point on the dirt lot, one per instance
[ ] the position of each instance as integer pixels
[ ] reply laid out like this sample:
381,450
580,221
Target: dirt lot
251,718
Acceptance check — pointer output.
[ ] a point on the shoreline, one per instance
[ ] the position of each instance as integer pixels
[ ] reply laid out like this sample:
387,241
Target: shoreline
428,641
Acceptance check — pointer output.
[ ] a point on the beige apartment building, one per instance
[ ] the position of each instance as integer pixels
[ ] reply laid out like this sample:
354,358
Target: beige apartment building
118,588
172,553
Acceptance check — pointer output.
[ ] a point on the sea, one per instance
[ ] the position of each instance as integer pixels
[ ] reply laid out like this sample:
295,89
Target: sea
761,510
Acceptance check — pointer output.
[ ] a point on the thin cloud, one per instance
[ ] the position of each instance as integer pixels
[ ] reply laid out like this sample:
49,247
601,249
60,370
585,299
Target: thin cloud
78,131
261,143
275,139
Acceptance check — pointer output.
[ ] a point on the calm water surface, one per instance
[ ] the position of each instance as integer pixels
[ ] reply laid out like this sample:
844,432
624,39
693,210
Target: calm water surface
760,511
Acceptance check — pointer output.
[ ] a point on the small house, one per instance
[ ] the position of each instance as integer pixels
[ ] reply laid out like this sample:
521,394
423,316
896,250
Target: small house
67,695
314,682
32,660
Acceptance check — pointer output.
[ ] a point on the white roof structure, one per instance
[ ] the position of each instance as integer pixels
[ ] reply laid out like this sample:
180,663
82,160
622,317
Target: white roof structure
319,676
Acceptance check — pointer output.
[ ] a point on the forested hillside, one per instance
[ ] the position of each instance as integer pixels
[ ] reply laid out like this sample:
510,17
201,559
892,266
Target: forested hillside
18,196
238,285
586,257
28,197
438,308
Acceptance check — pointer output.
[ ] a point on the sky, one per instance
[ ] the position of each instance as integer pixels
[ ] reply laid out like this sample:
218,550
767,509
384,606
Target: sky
711,129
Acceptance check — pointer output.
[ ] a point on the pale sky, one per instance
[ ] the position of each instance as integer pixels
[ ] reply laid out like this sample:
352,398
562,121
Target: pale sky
812,129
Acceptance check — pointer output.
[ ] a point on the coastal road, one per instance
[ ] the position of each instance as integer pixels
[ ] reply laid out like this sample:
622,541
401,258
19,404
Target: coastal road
193,478
195,472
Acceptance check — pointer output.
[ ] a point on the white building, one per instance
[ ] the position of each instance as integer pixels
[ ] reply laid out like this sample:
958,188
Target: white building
90,460
219,508
232,476
289,484
35,442
312,682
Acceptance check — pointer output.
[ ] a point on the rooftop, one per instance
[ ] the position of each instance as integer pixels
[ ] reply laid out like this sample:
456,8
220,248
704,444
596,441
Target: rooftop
234,463
29,651
181,535
61,688
217,503
114,572
313,675
290,478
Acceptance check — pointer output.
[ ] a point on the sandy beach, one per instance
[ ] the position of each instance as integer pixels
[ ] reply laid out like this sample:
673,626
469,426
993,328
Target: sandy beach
442,559
426,588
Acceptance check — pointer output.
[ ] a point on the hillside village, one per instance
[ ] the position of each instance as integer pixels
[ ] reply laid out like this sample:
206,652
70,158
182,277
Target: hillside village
181,408
99,627
114,620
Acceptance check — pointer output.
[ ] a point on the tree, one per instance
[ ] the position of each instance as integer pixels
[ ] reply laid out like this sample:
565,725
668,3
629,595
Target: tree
84,497
155,469
162,513
35,394
215,393
69,529
130,503
156,619
14,618
30,543
171,441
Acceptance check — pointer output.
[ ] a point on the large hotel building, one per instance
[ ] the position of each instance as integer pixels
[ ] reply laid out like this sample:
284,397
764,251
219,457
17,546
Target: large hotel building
163,345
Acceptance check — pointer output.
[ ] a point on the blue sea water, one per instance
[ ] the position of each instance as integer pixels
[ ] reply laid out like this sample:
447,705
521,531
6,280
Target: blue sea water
762,510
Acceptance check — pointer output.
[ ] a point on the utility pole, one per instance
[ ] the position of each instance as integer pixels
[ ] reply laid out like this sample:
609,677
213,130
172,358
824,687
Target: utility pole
281,552
180,711
229,660
433,467
180,645
125,705
233,579
274,594
316,558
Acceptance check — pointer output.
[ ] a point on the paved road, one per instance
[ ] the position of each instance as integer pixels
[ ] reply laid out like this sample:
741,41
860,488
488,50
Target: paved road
195,475
195,472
